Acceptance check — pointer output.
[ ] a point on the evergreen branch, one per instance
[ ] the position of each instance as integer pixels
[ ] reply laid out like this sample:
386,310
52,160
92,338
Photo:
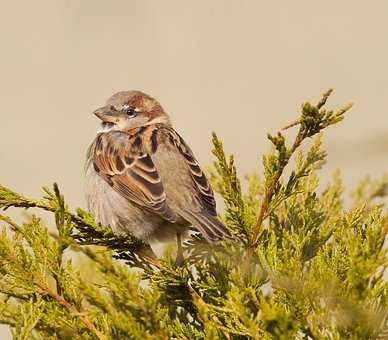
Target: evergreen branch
64,228
321,103
45,289
88,232
31,313
12,224
313,119
230,189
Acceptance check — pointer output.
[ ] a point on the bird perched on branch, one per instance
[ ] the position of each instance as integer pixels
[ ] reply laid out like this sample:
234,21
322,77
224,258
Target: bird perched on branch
142,178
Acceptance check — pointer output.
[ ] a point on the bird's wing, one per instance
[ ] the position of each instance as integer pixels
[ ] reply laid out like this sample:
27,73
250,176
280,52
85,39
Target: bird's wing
202,188
202,215
121,160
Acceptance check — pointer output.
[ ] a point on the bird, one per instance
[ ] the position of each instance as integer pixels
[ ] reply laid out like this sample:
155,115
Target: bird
142,178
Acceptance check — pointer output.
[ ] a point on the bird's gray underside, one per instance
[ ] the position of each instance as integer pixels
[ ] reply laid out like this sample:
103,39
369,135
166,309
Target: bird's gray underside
111,209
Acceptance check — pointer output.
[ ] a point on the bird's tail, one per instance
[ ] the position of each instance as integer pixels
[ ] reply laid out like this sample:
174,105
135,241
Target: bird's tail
208,225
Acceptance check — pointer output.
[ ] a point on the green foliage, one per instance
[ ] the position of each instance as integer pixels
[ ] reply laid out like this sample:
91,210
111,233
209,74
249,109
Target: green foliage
301,265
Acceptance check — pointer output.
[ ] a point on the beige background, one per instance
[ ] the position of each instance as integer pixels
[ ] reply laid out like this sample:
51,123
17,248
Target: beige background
241,68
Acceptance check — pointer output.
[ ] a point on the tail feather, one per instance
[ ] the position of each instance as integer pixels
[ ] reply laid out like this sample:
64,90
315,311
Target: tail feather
209,226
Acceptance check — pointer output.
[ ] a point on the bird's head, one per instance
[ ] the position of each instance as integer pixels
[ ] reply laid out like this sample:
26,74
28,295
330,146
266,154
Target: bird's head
127,110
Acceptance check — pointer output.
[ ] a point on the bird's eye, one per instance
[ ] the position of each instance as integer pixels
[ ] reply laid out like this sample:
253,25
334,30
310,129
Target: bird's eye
130,110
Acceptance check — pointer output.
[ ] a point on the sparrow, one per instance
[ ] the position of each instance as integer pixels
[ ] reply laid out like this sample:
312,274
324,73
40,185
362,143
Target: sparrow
142,177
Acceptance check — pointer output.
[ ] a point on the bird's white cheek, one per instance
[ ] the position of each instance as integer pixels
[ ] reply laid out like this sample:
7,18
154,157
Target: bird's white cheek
105,128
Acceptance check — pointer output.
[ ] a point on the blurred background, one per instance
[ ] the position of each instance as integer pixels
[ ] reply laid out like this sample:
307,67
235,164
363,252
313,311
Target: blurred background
240,68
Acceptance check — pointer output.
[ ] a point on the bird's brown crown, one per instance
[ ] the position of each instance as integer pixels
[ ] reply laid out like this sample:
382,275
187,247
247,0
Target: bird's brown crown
147,105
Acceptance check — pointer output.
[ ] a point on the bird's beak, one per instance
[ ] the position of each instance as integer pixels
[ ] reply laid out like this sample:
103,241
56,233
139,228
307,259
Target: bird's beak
106,114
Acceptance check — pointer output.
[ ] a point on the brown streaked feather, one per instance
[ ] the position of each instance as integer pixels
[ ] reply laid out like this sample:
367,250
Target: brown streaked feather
121,159
204,192
202,215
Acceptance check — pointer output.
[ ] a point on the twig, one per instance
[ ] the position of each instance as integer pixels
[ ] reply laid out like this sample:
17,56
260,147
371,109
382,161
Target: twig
45,289
290,125
263,212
